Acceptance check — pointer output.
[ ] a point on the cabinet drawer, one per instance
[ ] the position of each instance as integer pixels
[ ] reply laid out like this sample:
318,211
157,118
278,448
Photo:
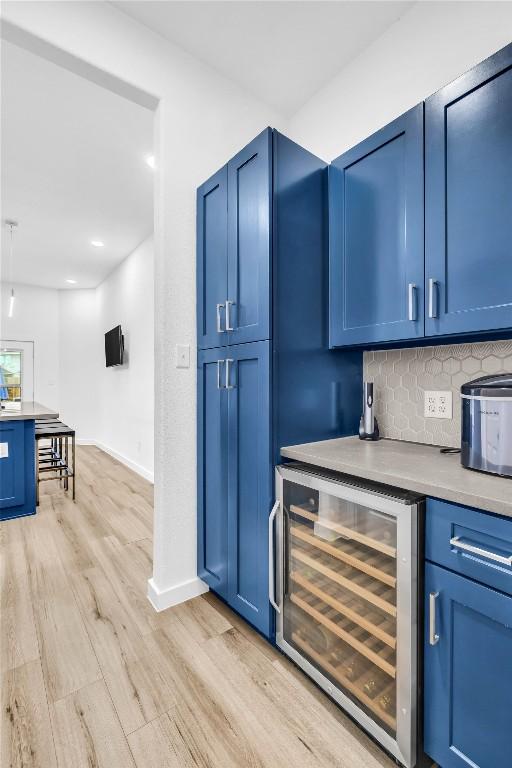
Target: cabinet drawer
473,543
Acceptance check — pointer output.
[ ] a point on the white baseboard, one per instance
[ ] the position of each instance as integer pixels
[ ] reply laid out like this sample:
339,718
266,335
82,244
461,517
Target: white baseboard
140,470
160,600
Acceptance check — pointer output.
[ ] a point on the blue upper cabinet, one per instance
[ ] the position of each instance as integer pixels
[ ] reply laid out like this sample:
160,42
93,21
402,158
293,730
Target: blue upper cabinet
376,259
249,242
468,135
468,672
212,260
249,480
212,469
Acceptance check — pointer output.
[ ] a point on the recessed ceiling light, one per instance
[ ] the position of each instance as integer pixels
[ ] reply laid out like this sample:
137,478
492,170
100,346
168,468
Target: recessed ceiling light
97,243
150,160
70,281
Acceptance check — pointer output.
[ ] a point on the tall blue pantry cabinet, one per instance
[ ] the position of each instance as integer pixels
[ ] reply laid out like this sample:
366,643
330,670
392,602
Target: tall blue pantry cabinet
266,377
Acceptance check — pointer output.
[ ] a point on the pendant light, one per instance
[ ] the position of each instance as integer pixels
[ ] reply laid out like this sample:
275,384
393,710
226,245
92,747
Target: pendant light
12,226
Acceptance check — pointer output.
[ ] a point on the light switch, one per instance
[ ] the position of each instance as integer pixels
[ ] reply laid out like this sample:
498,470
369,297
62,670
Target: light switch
182,356
4,450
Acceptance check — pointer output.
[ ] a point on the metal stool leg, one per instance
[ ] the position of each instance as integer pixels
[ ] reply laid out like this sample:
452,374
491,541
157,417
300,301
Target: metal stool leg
66,462
73,459
37,472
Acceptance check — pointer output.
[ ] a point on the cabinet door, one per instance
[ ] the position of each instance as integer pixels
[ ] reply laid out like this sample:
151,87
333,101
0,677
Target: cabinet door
212,264
12,464
468,202
468,673
212,470
249,241
376,258
250,481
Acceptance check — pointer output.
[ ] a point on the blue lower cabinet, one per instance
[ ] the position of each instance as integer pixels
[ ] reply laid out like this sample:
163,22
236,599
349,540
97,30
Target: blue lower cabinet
249,481
212,470
17,469
468,672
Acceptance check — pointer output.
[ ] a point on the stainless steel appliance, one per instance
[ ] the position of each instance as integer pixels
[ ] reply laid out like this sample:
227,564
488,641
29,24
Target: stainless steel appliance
487,424
345,591
368,426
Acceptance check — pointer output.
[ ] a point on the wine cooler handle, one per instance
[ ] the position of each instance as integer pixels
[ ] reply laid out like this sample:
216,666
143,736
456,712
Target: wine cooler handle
433,636
271,577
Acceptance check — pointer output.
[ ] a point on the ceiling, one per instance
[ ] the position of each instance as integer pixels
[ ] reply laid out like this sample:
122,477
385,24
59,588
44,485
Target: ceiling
281,52
73,170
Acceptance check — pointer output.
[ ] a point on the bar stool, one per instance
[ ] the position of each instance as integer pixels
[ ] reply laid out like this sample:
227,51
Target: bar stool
53,448
55,458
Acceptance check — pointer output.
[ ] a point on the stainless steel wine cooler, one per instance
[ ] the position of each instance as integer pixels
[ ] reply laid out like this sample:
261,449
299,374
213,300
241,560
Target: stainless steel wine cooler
345,593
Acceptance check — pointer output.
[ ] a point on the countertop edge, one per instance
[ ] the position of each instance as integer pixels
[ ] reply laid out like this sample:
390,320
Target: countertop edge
28,412
408,484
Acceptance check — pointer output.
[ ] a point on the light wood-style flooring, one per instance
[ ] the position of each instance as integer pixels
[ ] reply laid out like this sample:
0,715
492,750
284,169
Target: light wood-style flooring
92,677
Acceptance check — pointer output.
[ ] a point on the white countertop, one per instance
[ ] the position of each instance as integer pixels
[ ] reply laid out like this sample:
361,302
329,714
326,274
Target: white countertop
411,466
27,411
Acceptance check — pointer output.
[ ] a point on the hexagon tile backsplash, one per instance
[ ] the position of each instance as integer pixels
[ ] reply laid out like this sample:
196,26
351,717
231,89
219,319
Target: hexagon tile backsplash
401,377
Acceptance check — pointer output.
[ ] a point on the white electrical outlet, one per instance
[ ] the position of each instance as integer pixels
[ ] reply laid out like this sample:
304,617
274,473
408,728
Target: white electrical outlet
438,405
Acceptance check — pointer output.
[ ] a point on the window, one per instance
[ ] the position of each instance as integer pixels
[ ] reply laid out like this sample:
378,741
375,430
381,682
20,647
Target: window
11,374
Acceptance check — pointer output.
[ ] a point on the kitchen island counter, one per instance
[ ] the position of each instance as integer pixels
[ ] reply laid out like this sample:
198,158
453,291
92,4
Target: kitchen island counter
28,410
18,458
411,466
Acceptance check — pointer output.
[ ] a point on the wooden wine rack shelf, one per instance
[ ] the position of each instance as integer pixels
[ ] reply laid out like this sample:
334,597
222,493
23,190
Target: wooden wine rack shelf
348,533
373,622
345,631
353,687
360,584
379,567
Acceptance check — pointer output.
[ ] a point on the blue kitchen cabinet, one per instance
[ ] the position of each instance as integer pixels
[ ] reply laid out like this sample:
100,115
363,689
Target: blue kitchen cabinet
249,241
249,480
468,672
17,468
280,384
212,465
468,200
212,260
376,259
233,249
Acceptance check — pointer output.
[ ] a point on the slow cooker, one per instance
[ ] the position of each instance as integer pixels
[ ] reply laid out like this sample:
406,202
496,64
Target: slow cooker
487,424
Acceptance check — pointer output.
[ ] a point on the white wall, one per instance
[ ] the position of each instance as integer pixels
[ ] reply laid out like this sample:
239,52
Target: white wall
126,396
427,48
35,318
112,407
202,119
81,350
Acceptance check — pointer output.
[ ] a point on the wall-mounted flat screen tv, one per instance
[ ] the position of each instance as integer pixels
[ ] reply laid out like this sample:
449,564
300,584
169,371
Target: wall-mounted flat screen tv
114,347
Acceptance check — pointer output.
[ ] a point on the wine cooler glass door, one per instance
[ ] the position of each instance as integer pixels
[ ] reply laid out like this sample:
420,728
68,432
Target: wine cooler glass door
341,598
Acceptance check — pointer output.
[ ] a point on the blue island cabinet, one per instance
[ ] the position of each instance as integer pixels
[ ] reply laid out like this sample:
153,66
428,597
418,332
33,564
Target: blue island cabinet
266,377
376,236
468,200
17,468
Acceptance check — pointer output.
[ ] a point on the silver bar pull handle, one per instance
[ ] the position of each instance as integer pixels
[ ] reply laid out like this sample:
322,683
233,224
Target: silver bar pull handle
432,298
220,329
229,304
271,578
412,302
219,385
228,362
433,637
503,559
